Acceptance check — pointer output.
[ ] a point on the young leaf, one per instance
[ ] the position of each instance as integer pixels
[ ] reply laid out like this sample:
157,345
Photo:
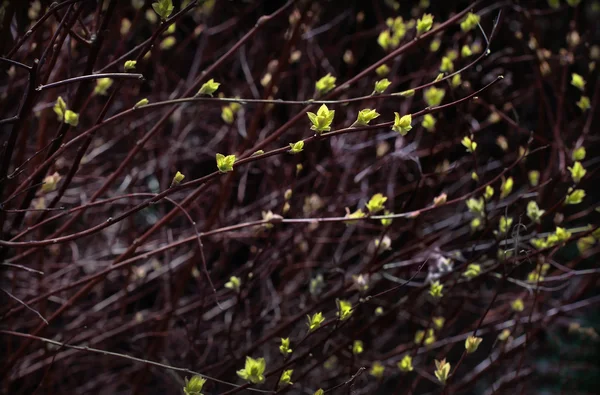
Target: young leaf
365,116
130,66
428,122
177,178
296,147
163,8
194,385
325,84
225,163
424,24
469,144
315,321
442,370
60,107
71,118
402,124
382,85
321,121
405,364
470,22
577,81
102,86
208,88
344,309
375,204
434,96
253,371
141,103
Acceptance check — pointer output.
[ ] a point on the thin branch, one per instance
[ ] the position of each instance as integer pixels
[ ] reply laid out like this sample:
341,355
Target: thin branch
123,76
125,356
25,305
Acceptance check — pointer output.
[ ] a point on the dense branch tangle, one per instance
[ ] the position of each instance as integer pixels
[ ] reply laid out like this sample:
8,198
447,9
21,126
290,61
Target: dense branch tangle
233,261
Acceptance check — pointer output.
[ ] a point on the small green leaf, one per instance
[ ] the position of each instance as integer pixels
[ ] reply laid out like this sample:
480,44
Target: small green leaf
470,22
578,153
504,225
440,199
253,371
344,309
534,178
442,370
141,103
387,221
177,178
227,114
405,364
385,40
129,65
170,30
577,172
325,84
447,66
429,122
489,193
476,224
402,124
60,107
296,147
321,121
375,204
365,116
435,289
286,378
382,70
315,321
50,182
168,43
584,103
208,88
382,85
225,163
554,3
506,187
434,96
377,370
284,348
577,81
435,45
476,206
472,343
465,51
407,93
357,347
469,144
234,284
473,270
456,80
194,385
575,196
517,305
71,118
424,24
163,8
102,86
355,215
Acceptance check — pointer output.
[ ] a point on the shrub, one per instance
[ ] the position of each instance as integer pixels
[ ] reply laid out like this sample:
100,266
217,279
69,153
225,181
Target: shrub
183,183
